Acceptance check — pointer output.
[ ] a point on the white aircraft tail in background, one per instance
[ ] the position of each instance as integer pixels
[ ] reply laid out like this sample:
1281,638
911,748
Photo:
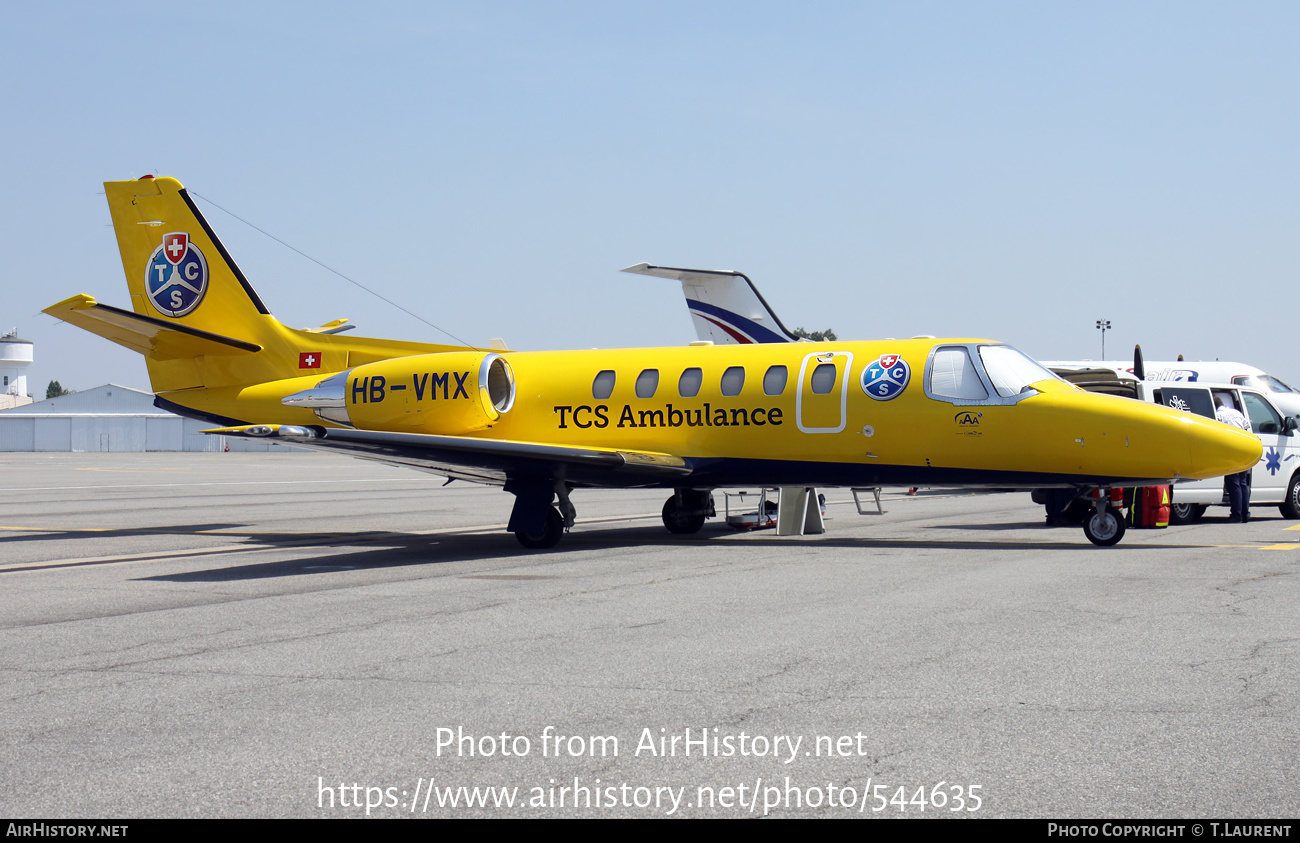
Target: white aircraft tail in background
725,306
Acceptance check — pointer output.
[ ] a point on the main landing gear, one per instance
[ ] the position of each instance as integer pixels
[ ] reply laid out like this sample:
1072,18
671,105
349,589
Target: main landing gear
686,511
543,511
548,537
537,524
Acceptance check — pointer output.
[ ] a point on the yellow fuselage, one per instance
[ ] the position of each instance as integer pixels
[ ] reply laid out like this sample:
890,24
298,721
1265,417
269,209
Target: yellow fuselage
766,431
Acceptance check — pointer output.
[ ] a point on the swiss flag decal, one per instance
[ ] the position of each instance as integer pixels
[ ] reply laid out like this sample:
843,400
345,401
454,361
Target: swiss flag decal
309,360
175,245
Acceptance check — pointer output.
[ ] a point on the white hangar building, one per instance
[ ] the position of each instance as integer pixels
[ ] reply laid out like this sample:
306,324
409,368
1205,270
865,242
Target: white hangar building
110,418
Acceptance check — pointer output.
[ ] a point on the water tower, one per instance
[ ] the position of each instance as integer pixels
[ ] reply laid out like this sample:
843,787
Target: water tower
15,357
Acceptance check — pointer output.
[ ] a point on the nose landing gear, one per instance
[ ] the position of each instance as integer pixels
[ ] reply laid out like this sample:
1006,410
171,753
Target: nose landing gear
1105,525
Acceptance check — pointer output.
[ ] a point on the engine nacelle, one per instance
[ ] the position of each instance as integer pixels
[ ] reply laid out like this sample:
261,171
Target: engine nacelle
449,393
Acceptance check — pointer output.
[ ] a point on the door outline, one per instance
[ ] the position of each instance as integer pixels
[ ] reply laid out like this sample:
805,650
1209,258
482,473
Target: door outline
824,357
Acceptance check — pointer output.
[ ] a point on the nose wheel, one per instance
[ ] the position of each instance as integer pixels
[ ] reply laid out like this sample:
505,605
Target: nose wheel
1104,526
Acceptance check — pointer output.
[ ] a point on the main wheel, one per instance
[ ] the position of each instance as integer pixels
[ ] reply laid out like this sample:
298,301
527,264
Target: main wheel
1104,527
1185,513
1291,506
548,537
679,522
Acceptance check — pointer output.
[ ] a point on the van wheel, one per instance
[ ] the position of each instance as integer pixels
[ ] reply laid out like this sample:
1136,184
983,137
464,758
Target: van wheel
1291,506
1105,527
1185,513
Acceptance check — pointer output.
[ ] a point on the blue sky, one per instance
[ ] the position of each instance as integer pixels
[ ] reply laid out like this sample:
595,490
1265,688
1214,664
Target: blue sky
1005,170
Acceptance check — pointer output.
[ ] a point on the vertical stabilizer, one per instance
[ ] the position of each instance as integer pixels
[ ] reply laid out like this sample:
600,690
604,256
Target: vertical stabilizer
725,306
194,316
175,266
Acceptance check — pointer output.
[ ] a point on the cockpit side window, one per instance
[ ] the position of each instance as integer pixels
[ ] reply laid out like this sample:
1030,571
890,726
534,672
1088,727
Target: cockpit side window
953,375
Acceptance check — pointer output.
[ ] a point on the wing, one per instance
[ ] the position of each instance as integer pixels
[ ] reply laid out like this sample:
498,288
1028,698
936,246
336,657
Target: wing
489,461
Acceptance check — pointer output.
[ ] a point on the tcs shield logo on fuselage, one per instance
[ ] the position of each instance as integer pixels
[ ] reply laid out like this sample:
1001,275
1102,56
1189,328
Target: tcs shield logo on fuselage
176,276
886,377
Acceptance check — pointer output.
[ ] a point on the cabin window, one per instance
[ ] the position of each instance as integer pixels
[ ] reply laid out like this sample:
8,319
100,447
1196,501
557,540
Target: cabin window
1189,399
774,380
733,380
603,386
646,383
823,378
953,375
688,385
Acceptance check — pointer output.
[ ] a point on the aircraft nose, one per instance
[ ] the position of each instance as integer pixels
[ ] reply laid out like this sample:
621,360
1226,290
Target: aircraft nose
1218,449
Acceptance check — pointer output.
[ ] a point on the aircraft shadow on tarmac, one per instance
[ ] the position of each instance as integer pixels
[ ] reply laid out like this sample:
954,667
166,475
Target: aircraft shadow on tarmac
375,550
37,534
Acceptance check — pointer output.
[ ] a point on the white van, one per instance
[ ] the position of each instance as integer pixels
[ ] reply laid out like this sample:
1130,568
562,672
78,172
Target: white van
1275,478
1286,398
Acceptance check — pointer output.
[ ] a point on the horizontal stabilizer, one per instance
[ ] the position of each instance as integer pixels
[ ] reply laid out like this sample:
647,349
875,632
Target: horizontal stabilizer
146,334
695,276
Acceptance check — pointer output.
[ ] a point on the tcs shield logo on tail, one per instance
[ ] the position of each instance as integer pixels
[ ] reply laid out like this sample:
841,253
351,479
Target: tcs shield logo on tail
176,276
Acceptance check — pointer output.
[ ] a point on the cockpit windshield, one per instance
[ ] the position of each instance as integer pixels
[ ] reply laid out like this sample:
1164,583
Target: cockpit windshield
1011,371
1264,383
972,373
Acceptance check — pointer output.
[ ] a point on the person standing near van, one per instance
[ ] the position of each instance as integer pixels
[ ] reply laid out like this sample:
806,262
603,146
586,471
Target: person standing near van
1236,485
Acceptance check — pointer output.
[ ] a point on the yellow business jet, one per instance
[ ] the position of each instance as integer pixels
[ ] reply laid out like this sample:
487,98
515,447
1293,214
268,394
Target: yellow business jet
934,412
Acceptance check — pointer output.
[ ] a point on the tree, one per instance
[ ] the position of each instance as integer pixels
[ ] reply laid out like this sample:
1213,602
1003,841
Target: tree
55,389
816,336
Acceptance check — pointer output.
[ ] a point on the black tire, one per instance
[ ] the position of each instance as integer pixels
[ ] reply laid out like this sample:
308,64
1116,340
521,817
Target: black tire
548,537
1104,527
1185,513
678,522
1291,506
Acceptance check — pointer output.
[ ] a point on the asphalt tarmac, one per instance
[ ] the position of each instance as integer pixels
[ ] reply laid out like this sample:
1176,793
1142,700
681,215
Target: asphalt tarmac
298,635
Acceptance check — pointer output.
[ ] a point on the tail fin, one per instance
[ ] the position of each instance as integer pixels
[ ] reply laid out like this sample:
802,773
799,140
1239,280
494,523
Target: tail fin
175,266
194,315
725,306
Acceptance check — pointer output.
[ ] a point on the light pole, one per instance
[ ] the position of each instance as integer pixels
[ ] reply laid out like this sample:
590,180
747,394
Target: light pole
1103,325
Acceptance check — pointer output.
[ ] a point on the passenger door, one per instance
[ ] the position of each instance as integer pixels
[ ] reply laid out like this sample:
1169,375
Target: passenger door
822,400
